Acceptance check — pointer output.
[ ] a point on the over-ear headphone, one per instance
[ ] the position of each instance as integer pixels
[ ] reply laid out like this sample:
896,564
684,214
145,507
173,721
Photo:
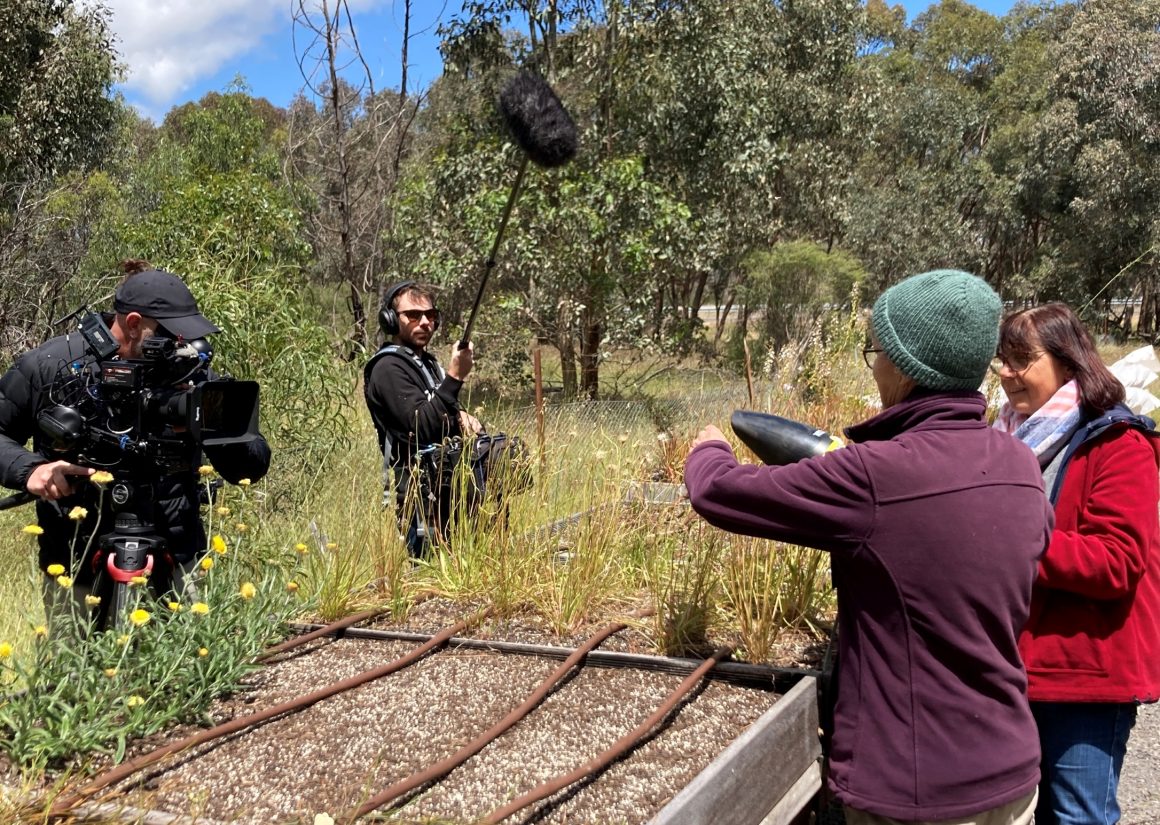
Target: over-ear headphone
388,318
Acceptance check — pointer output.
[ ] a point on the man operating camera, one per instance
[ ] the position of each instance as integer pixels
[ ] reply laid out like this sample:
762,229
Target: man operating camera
67,385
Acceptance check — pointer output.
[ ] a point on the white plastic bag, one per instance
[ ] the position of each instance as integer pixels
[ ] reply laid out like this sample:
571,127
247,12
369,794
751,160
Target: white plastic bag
1137,370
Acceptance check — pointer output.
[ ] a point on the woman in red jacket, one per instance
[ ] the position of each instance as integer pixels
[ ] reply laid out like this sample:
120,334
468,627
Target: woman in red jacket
1092,640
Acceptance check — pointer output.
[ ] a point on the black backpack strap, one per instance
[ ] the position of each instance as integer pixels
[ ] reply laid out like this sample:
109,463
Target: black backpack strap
431,379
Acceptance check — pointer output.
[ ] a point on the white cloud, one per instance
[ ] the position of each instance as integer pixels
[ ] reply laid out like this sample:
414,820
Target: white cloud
168,45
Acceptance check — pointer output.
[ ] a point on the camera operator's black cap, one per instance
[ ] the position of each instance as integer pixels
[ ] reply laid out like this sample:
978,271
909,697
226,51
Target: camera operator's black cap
163,296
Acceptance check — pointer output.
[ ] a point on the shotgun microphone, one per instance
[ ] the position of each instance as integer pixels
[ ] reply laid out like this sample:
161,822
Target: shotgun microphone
545,132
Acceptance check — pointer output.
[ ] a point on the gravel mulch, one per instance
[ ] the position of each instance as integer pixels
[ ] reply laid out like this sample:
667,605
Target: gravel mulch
336,753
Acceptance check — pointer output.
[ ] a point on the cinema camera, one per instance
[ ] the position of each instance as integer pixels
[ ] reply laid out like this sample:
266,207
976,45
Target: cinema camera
142,419
144,414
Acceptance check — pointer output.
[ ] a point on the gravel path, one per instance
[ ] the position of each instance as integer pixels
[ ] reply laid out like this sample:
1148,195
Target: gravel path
1139,794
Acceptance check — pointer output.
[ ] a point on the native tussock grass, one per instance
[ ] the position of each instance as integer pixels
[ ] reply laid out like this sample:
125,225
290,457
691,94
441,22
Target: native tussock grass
579,545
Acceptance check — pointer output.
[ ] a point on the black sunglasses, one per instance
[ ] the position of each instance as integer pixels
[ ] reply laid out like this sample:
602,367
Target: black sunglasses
416,315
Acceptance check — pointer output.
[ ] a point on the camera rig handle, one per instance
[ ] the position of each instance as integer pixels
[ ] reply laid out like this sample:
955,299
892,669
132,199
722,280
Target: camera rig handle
15,500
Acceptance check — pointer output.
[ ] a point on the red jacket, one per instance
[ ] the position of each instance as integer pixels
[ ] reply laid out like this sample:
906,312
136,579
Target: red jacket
1093,634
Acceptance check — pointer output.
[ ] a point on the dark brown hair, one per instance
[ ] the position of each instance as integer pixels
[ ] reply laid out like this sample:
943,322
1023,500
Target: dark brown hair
416,291
1055,329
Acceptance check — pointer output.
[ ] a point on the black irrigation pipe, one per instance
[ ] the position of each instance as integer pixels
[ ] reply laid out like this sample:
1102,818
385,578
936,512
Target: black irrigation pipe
618,748
742,673
445,766
67,802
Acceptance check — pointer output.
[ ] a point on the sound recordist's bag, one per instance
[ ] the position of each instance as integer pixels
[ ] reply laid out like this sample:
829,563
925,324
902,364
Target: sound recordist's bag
500,466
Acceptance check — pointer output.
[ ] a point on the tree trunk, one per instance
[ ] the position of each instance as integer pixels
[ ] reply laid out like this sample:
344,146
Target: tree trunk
567,350
592,333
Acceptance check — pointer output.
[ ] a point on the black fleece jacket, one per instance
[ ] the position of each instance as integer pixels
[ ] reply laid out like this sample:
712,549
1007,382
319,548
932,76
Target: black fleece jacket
27,389
403,406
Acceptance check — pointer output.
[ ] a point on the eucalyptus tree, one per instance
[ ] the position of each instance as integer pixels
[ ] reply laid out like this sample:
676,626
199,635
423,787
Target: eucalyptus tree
1097,157
346,144
58,121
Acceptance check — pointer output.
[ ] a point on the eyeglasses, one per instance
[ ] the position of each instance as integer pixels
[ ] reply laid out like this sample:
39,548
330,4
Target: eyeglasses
870,355
1018,364
414,316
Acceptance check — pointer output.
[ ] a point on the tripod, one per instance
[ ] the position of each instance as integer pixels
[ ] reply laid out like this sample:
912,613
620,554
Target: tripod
132,549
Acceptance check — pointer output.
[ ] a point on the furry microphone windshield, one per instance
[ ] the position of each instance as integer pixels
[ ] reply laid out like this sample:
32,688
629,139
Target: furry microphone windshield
538,121
546,134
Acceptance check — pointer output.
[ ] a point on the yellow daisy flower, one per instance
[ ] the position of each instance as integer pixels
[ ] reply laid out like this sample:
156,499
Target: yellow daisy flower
139,617
101,477
203,652
5,650
134,701
199,608
244,482
78,513
32,529
92,601
248,591
301,548
110,672
41,631
332,546
64,581
292,587
138,580
241,527
218,544
123,639
207,563
223,511
56,570
174,606
205,470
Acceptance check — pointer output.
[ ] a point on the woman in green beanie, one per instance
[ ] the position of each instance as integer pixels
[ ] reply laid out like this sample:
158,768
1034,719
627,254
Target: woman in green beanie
935,523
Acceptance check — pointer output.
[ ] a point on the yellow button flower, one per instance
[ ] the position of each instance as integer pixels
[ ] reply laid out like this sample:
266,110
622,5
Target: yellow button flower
56,570
174,606
241,527
205,470
292,587
101,477
134,701
123,640
138,580
218,544
301,548
207,563
244,482
139,617
203,652
223,511
110,672
78,513
41,631
32,529
199,608
5,650
332,546
92,601
64,581
248,591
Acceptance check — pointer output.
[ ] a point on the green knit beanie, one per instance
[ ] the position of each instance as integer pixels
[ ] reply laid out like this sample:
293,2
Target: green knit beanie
939,328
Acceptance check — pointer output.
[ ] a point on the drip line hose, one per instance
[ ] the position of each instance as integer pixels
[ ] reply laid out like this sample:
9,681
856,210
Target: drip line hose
618,748
445,766
64,805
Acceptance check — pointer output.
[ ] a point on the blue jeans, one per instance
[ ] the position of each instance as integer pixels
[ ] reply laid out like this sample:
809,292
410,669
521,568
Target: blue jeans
1083,750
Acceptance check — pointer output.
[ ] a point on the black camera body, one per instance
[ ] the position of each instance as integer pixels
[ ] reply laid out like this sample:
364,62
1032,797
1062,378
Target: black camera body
148,415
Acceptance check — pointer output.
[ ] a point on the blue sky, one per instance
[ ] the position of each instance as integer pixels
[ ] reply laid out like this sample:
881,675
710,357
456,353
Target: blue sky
177,50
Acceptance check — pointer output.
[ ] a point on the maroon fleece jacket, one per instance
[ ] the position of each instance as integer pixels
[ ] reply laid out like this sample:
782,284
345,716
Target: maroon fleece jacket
935,523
